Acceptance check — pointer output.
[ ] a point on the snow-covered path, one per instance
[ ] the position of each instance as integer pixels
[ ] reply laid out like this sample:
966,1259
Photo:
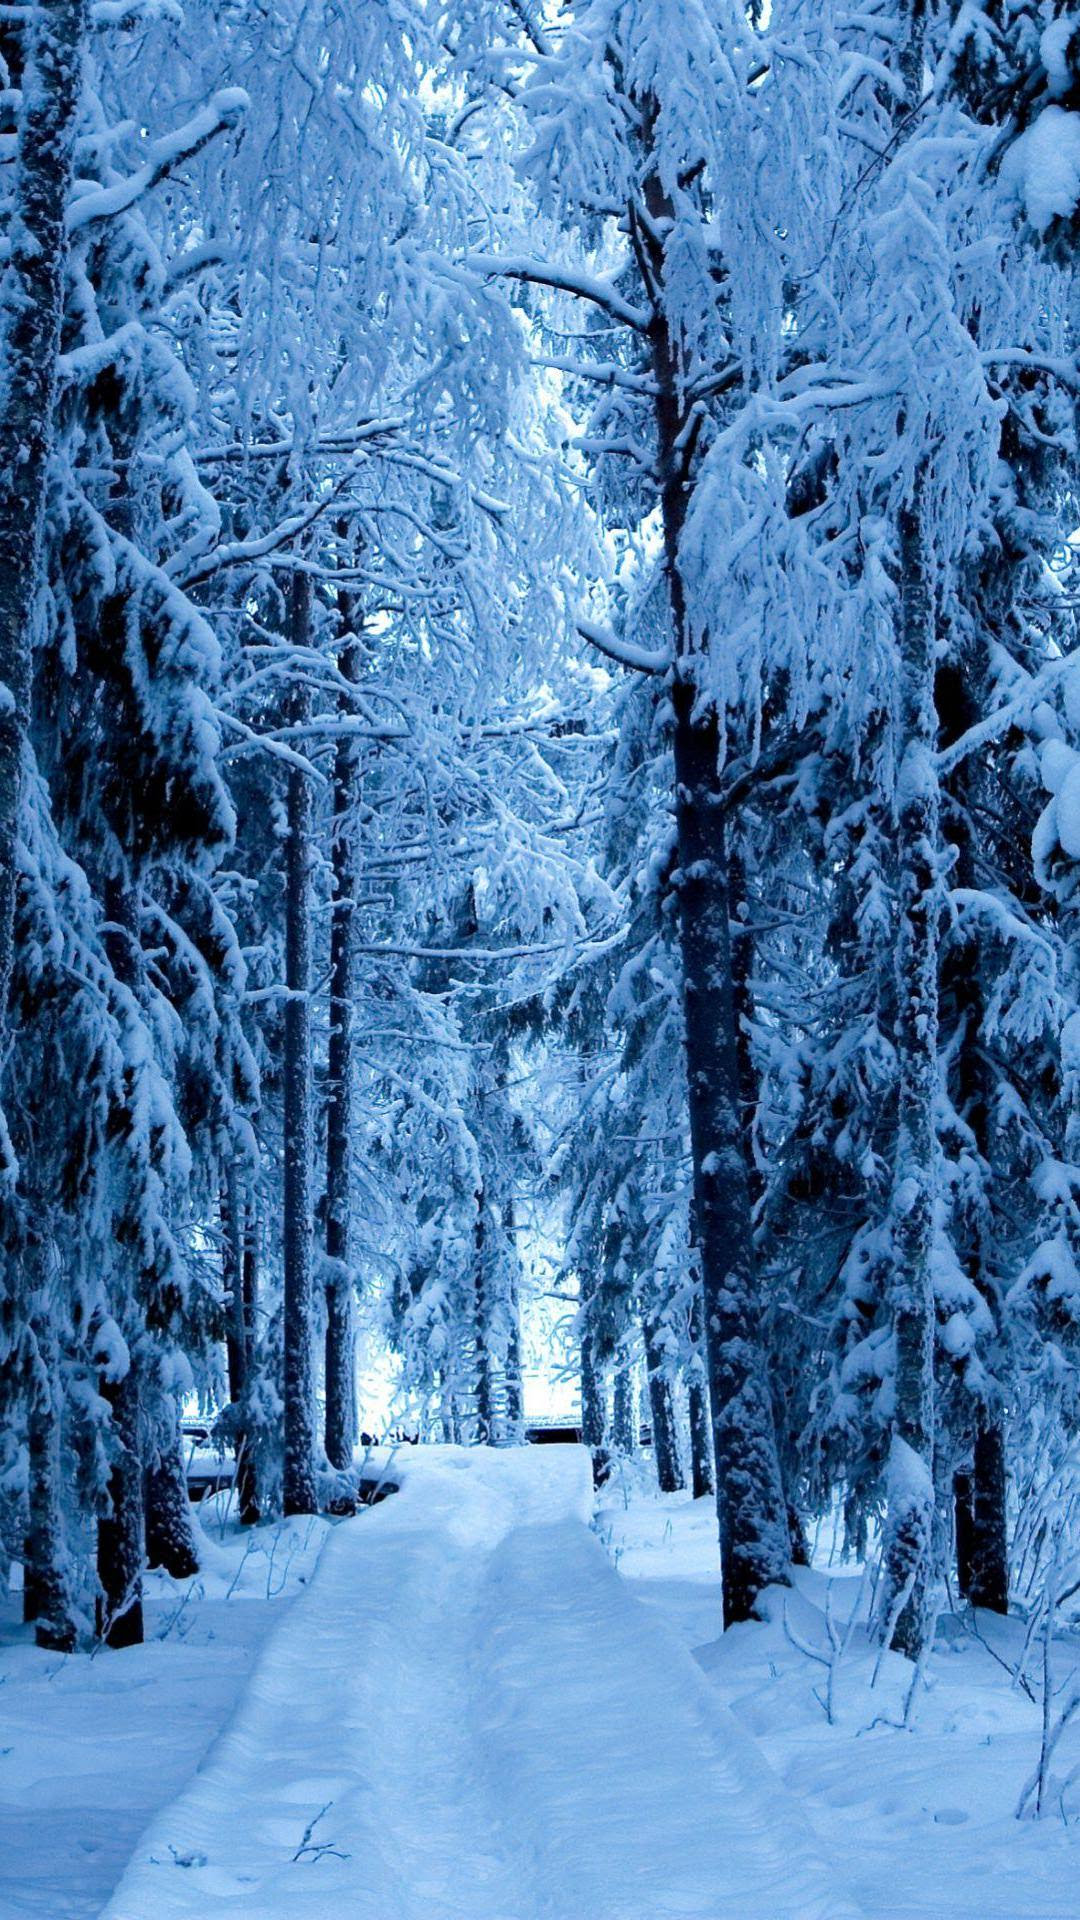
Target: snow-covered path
469,1717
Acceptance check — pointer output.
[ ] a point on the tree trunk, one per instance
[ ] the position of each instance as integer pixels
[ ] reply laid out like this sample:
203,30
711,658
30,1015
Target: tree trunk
515,1387
665,1433
751,1508
982,1560
981,1521
31,310
750,1497
594,1413
624,1425
298,1477
340,1358
909,1522
171,1541
701,1451
120,1529
47,1597
238,1275
482,1356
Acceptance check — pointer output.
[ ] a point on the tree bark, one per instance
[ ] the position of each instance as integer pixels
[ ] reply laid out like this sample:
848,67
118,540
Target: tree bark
594,1413
750,1498
751,1508
909,1521
665,1434
982,1560
298,1475
981,1519
624,1424
340,1359
31,312
120,1528
701,1451
171,1541
238,1275
515,1386
483,1360
47,1599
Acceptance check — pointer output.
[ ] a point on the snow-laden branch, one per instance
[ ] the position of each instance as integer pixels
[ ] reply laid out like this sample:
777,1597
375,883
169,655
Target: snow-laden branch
129,13
624,651
995,724
102,203
606,373
1064,370
584,286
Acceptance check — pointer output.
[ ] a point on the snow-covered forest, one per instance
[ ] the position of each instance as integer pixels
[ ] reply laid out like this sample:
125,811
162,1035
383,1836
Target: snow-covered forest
540,888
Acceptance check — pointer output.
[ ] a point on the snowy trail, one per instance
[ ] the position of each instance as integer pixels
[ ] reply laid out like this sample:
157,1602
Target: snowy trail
483,1724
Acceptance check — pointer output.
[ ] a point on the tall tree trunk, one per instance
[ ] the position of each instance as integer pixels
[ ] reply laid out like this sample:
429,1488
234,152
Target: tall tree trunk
298,1477
121,1531
515,1386
171,1541
751,1509
31,310
120,1528
340,1358
47,1599
665,1433
982,1527
624,1424
594,1413
987,1583
238,1274
483,1359
701,1451
750,1498
909,1522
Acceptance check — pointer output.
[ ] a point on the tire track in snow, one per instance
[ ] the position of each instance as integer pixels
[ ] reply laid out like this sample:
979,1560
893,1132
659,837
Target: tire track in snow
469,1717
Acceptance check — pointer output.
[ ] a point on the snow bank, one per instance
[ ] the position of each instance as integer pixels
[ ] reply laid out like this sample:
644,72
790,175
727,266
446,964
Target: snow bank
920,1821
91,1746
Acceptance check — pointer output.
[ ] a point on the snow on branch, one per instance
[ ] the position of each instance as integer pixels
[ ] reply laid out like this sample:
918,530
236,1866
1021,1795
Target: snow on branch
584,286
641,659
102,203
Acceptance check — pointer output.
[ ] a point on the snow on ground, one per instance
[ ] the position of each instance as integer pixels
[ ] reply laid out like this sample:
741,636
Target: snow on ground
91,1747
469,1716
920,1821
468,1703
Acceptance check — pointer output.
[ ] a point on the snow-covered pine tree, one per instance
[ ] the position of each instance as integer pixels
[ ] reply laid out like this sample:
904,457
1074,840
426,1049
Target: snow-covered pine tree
48,74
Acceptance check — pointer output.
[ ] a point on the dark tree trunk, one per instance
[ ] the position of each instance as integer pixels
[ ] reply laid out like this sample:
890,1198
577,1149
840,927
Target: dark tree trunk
594,1413
340,1361
47,1597
170,1530
964,1530
624,1433
121,1541
982,1561
120,1528
751,1508
238,1273
665,1433
515,1391
909,1521
981,1522
483,1361
750,1498
31,309
298,1477
701,1450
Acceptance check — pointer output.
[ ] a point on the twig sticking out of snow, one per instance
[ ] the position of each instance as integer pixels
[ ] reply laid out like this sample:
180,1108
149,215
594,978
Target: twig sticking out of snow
318,1849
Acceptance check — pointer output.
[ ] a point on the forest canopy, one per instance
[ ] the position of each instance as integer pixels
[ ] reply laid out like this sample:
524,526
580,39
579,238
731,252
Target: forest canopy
540,764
